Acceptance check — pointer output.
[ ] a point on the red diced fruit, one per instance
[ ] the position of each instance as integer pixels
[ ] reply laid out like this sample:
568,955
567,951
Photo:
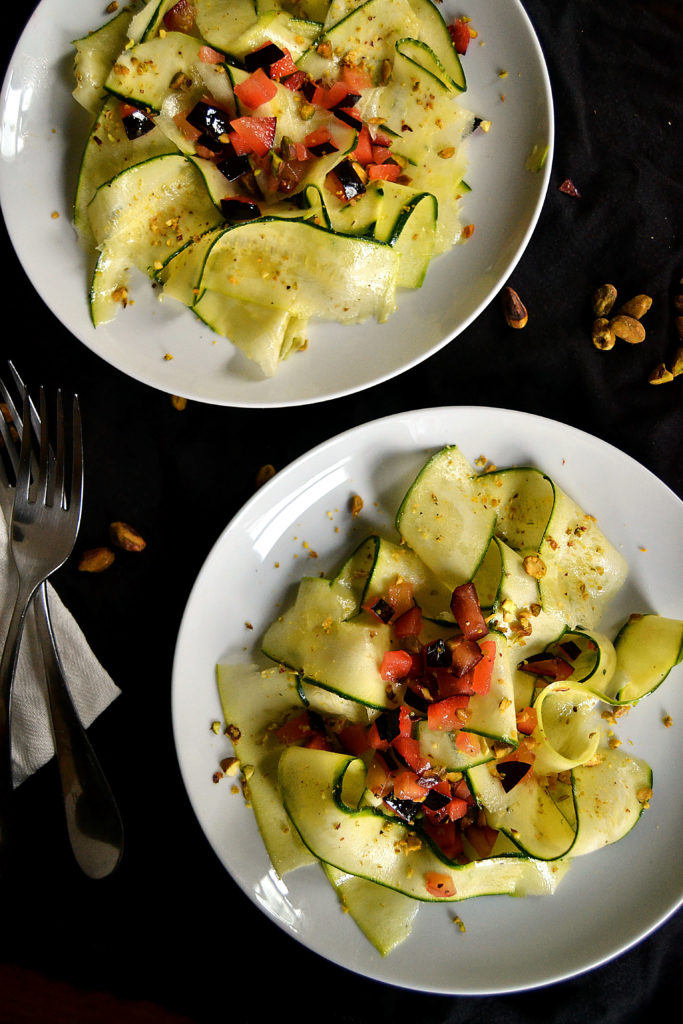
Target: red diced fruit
336,93
467,742
240,145
467,612
380,138
527,720
378,778
380,154
317,137
356,79
354,739
294,81
405,721
456,808
408,624
547,665
257,132
442,715
482,838
439,884
256,90
407,785
482,672
290,174
181,17
462,790
465,654
395,665
383,172
295,729
400,596
188,130
208,55
448,685
318,96
318,741
375,741
460,35
445,835
283,67
409,750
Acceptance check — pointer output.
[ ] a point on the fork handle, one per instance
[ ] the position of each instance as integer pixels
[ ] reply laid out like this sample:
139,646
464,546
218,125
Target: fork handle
92,816
8,665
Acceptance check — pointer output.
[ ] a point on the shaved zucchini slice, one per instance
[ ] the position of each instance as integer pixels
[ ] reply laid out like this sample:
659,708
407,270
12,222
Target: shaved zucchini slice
266,336
315,639
273,26
143,74
527,814
647,648
628,780
369,33
383,915
396,561
251,701
299,267
220,21
441,519
141,218
95,54
578,571
107,152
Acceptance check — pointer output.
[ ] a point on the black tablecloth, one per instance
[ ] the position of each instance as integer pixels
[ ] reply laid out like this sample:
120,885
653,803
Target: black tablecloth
170,936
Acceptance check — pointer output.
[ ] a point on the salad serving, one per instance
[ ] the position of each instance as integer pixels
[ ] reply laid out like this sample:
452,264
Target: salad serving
435,721
271,162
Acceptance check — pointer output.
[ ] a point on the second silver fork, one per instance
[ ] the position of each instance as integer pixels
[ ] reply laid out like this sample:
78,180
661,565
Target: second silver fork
93,821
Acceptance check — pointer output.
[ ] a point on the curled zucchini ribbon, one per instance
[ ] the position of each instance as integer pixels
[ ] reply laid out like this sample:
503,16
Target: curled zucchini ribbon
323,793
623,671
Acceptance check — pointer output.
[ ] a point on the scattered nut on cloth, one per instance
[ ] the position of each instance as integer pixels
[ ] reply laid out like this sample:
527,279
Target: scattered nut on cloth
91,687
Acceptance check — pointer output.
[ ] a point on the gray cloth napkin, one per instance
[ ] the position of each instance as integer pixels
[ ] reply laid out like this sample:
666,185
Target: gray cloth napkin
91,687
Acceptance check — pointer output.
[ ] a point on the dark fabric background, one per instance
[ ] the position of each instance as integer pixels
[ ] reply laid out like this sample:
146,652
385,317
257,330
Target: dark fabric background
169,936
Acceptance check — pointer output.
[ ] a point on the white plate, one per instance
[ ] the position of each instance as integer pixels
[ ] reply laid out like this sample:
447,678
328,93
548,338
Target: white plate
610,899
42,131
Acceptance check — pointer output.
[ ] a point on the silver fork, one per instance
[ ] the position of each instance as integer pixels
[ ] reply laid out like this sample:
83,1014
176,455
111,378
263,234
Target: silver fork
92,816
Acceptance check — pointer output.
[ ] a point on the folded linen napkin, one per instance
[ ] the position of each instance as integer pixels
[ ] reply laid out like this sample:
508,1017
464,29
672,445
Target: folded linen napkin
91,687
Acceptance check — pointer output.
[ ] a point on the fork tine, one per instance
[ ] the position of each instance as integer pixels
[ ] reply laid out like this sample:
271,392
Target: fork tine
10,446
56,491
16,418
24,468
76,499
43,483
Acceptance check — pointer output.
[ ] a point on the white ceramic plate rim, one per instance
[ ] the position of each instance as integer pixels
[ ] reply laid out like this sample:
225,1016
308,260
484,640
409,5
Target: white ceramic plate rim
41,135
610,900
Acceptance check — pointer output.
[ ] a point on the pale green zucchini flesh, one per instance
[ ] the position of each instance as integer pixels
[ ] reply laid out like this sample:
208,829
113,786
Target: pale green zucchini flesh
442,521
252,700
322,792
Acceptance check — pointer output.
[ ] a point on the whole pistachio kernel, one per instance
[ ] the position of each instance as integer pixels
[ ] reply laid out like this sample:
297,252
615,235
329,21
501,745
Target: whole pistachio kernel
628,329
660,375
636,307
603,300
514,309
602,334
